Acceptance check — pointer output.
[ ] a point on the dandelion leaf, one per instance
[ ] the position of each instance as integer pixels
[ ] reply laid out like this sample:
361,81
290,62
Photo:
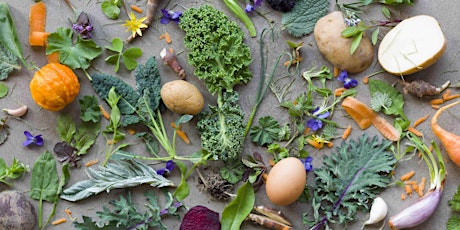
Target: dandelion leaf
303,17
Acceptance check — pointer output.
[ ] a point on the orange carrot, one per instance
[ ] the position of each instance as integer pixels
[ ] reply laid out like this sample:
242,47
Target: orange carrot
346,133
265,176
408,189
330,144
59,221
53,57
37,22
359,111
446,94
313,143
407,176
336,71
183,136
450,141
453,96
91,163
366,80
437,101
104,112
306,131
435,106
420,120
403,196
167,37
385,128
338,92
421,187
414,131
136,8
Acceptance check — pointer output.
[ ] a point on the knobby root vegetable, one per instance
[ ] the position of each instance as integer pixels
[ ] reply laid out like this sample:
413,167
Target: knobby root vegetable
450,141
171,60
422,88
270,218
37,22
378,212
18,112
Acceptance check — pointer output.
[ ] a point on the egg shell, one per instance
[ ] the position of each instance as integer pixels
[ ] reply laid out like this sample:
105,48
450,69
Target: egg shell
286,181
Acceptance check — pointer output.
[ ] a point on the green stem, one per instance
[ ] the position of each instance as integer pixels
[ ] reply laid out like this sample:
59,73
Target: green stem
241,14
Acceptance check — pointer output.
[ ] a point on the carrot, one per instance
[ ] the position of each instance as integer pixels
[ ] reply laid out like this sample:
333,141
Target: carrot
366,80
450,141
336,71
68,213
306,131
338,92
451,97
37,23
59,221
414,131
91,163
403,196
37,38
437,101
315,144
407,176
446,94
346,133
271,162
435,106
53,57
408,189
360,112
386,129
180,133
136,8
166,36
104,112
421,187
420,120
265,176
330,144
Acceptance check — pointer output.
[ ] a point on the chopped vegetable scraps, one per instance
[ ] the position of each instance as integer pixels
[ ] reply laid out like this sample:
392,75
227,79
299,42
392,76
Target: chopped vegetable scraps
407,176
37,22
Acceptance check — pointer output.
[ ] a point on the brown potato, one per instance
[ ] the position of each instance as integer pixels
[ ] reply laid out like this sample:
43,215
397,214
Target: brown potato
336,49
182,97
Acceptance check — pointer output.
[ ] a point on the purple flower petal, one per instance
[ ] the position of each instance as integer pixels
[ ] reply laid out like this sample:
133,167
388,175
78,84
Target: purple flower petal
350,83
307,164
27,142
257,3
38,140
324,115
176,15
170,165
342,76
249,8
314,124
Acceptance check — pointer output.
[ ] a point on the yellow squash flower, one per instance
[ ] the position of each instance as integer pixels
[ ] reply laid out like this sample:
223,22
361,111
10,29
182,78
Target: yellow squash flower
135,25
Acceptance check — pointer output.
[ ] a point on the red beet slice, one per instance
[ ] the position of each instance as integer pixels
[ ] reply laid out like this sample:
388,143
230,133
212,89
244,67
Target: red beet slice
200,218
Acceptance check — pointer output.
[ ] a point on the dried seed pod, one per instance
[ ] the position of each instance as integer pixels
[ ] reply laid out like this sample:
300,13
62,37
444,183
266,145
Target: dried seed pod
422,88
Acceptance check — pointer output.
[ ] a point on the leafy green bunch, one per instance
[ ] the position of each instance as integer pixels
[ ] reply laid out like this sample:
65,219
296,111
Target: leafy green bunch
221,60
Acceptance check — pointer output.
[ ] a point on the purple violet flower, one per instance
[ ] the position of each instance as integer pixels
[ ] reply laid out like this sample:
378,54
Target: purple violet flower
169,167
307,163
83,26
348,82
249,8
31,139
315,123
257,3
169,15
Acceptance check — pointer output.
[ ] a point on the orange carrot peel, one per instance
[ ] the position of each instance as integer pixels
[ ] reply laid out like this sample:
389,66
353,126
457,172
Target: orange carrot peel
37,23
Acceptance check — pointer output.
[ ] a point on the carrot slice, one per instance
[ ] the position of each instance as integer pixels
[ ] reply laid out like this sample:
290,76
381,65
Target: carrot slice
451,97
386,129
421,187
414,131
403,196
37,22
91,163
359,111
336,71
407,176
420,120
104,112
437,101
59,221
446,94
346,133
53,57
136,8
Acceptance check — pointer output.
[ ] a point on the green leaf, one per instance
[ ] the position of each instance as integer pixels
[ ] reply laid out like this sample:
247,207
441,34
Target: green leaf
350,31
380,101
15,171
115,175
454,203
74,55
453,223
8,37
89,109
111,8
45,180
302,18
130,56
3,90
117,45
356,41
232,171
8,62
375,36
350,178
86,136
66,127
386,12
239,208
183,188
267,131
397,106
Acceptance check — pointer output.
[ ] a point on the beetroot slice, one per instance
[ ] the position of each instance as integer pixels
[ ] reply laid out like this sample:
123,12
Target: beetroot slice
200,218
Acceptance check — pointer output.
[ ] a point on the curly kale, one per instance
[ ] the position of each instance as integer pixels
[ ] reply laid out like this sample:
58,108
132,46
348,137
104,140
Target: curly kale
221,129
216,48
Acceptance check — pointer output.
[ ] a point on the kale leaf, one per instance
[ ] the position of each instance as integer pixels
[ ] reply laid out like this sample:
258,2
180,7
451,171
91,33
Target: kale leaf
216,48
221,129
349,180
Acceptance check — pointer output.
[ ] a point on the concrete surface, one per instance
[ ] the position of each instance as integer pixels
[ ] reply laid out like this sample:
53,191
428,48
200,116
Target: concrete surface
44,122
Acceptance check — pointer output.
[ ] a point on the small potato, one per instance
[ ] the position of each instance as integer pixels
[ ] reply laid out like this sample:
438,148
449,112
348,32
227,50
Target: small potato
336,49
182,97
16,211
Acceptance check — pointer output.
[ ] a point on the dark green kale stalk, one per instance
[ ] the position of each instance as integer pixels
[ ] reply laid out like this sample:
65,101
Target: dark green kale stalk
221,59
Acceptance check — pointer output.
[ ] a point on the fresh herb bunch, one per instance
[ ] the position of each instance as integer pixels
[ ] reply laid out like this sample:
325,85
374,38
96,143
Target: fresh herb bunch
454,203
15,171
349,180
221,60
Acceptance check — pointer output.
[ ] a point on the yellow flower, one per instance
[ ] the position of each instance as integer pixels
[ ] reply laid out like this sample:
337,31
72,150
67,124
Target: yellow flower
135,25
317,141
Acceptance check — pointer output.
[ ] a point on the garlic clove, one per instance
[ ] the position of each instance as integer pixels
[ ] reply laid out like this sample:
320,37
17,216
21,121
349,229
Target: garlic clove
378,211
21,111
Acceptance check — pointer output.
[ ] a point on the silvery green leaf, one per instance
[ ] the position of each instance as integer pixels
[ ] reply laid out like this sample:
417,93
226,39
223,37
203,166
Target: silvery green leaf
117,174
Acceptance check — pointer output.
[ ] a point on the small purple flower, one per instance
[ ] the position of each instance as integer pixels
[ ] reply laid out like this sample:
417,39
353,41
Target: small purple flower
31,139
83,26
257,3
169,167
316,123
307,164
169,15
348,82
249,8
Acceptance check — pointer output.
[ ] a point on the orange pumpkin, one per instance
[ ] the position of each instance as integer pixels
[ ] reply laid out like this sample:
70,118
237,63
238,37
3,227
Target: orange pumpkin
54,86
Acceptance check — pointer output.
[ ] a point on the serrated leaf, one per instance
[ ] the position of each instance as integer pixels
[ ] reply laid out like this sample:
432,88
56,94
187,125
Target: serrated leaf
239,208
350,178
66,127
117,174
302,18
266,132
397,106
8,62
380,101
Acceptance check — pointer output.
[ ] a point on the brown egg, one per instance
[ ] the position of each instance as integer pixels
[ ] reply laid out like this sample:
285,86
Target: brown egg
286,181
